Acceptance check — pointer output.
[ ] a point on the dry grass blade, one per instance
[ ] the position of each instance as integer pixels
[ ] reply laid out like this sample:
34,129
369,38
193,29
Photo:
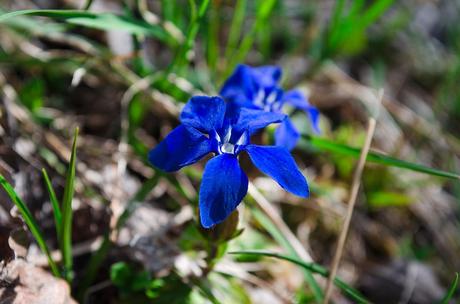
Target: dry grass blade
351,202
265,205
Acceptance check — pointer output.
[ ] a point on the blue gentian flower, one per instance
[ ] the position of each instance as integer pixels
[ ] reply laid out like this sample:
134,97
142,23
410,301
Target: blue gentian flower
209,125
258,88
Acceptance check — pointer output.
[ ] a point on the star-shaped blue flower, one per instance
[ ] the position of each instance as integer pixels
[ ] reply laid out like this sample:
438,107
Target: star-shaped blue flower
209,125
258,88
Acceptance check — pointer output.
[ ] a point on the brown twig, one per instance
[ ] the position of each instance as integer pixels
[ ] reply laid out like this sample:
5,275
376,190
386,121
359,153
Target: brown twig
351,202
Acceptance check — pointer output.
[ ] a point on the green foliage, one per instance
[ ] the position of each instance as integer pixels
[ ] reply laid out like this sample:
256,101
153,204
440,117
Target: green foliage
236,27
54,203
101,21
408,249
31,94
375,157
124,276
312,267
197,18
30,222
66,236
346,32
263,12
450,292
63,219
140,287
380,199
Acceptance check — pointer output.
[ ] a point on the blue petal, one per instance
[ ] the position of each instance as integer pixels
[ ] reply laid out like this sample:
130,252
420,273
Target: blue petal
223,187
267,76
182,147
298,100
204,113
278,163
286,135
240,86
251,120
313,113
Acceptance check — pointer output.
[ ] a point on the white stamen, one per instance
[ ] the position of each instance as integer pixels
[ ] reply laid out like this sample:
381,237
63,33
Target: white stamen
228,135
259,100
228,148
242,140
271,98
217,136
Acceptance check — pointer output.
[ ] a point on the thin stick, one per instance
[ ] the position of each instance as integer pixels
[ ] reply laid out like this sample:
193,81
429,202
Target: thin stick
271,212
351,203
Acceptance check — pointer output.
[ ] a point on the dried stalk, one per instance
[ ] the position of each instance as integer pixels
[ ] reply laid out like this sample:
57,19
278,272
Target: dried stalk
351,203
271,212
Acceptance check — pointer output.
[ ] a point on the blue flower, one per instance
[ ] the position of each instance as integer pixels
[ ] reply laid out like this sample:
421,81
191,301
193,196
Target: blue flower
258,88
209,125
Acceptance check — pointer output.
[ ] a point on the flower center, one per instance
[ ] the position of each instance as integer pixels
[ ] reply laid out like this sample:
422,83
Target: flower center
228,148
226,145
265,101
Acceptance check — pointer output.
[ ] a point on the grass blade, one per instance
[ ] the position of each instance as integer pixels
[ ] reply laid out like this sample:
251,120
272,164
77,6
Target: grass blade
66,236
374,12
263,13
101,21
236,27
212,37
336,15
312,267
54,203
167,9
450,293
181,57
375,157
31,223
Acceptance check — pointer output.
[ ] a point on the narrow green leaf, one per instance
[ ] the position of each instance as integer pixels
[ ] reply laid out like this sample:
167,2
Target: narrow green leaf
54,203
101,21
356,8
235,27
263,13
212,35
167,9
181,57
30,222
313,267
374,12
375,157
336,15
66,236
450,293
